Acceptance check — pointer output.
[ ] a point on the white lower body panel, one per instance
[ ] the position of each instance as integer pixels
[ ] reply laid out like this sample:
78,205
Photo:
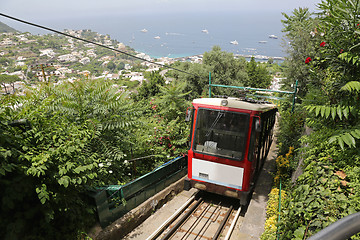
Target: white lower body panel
217,173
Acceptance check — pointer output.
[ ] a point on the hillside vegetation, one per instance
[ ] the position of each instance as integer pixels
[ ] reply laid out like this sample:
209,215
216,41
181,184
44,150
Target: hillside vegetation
5,28
324,57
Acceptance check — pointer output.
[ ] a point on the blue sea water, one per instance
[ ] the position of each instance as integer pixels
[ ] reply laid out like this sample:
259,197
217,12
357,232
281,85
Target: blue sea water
181,34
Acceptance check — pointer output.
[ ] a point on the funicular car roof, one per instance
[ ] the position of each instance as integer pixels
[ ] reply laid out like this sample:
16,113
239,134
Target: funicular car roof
236,103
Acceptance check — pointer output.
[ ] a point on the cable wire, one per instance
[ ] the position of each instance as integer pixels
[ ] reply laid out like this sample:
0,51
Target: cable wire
95,43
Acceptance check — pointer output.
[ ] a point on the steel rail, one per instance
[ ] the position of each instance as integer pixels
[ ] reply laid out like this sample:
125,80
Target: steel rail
233,224
182,220
206,223
222,224
158,231
197,221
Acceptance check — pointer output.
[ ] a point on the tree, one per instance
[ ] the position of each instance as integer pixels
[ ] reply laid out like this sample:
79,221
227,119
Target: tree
258,76
299,28
8,79
71,137
120,66
150,87
226,69
337,64
111,66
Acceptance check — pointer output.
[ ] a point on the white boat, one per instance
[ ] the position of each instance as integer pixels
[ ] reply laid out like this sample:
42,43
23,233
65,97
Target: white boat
273,36
205,31
144,30
234,42
157,37
262,41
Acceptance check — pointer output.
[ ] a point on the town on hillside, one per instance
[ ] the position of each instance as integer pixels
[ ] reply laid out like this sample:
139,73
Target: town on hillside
26,59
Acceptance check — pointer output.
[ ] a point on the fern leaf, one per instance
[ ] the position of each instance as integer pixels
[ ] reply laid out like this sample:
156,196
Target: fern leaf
339,112
341,143
355,133
327,112
333,113
323,108
351,86
346,112
348,139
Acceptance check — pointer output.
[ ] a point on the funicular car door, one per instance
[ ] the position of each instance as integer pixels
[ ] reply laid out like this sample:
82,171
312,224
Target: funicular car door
253,151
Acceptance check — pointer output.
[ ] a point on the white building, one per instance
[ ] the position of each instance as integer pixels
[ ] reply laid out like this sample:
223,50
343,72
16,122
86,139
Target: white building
85,60
134,76
67,58
91,53
47,52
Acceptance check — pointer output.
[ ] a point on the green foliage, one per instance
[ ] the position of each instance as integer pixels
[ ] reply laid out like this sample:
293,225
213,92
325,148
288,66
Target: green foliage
340,19
258,75
291,127
353,86
166,132
198,81
8,79
78,137
348,112
225,69
172,101
323,194
272,213
298,28
111,66
151,87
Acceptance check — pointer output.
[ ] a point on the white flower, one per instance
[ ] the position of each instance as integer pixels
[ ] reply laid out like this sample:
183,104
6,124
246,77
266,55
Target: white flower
168,156
110,171
101,164
312,34
125,155
125,162
109,163
322,34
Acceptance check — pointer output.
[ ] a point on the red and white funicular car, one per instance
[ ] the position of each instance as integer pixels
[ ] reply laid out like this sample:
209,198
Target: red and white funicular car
230,139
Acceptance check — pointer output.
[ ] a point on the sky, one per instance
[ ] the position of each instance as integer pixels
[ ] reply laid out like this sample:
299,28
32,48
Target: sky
49,9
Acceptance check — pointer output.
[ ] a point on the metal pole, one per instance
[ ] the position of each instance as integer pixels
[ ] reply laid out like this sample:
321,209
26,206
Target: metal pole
295,90
209,84
277,229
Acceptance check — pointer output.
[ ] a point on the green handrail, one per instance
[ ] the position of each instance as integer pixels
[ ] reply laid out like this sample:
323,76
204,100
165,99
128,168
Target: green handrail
256,89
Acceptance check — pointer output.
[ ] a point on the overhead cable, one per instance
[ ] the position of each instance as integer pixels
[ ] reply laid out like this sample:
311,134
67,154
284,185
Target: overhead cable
95,43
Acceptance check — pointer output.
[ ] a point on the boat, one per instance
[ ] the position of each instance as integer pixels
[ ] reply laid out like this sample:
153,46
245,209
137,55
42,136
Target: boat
205,31
262,41
273,36
157,37
144,30
234,42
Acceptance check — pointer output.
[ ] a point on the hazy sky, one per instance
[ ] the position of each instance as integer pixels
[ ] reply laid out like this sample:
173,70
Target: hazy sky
45,9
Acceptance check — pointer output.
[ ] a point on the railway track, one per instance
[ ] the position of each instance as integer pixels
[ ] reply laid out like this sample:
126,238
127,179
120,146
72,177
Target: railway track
200,218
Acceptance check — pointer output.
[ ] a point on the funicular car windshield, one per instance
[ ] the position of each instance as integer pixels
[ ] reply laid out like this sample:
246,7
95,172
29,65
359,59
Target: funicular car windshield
221,133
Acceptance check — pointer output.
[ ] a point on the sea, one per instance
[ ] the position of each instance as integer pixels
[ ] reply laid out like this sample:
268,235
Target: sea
178,34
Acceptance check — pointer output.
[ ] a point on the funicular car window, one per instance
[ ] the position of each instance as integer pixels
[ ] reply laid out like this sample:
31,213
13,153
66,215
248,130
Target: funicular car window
221,133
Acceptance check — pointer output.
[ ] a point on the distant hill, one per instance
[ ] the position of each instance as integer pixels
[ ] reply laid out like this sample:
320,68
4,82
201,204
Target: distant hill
6,28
